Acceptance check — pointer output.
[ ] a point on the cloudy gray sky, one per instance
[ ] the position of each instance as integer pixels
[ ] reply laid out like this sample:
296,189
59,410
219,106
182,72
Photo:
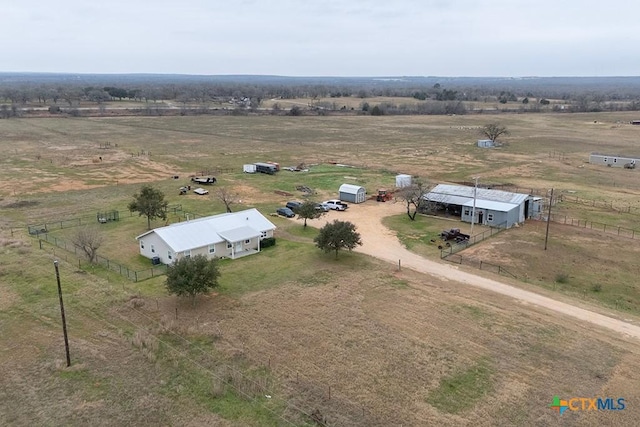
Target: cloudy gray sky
323,37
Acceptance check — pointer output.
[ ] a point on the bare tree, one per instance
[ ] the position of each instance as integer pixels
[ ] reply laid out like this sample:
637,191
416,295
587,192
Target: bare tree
493,131
89,240
413,196
227,197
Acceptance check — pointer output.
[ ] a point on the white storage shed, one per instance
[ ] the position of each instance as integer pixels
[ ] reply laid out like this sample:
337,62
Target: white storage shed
251,168
403,180
352,193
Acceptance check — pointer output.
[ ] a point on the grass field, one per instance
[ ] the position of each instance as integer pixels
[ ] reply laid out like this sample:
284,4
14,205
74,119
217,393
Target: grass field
352,339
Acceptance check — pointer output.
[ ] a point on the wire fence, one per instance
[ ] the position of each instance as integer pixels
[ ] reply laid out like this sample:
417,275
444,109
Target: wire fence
611,205
593,225
123,270
450,253
88,219
215,171
479,264
459,246
598,203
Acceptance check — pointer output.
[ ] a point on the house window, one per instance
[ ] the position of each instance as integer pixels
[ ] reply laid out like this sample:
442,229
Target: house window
263,234
186,254
489,217
466,211
229,245
153,249
248,241
605,159
212,249
169,255
141,244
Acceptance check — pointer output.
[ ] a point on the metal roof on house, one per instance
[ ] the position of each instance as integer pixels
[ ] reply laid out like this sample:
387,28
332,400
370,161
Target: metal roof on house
197,233
460,194
350,188
238,234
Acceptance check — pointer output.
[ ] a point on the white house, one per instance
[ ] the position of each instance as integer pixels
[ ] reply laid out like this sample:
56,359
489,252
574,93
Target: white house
228,235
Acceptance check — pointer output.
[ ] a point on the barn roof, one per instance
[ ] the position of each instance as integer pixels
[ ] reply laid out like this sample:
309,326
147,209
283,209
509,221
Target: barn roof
350,188
197,233
491,205
460,194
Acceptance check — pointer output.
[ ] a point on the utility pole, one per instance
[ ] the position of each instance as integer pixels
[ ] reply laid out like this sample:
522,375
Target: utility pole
546,237
473,211
64,321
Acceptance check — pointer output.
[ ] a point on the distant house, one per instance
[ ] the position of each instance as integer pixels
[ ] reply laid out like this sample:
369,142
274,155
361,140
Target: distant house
228,235
486,143
615,160
635,122
352,193
495,208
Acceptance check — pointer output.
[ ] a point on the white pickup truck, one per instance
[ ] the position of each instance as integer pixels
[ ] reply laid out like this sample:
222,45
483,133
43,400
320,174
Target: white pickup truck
336,205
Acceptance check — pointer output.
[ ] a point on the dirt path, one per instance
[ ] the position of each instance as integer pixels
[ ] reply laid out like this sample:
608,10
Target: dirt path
382,243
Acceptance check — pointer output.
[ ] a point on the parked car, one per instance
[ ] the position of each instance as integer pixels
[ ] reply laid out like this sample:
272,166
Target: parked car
335,204
285,212
293,205
322,207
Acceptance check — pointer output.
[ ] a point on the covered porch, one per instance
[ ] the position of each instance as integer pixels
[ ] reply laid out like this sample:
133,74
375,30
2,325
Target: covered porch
241,241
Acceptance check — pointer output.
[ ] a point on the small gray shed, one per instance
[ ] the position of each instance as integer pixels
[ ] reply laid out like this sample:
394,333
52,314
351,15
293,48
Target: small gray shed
352,193
486,143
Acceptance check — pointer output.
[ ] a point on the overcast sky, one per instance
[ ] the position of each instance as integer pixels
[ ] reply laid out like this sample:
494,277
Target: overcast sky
323,37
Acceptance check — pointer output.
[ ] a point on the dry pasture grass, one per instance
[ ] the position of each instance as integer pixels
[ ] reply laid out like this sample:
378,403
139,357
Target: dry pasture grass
382,341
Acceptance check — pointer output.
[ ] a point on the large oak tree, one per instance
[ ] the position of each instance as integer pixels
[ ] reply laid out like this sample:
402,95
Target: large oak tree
338,235
190,276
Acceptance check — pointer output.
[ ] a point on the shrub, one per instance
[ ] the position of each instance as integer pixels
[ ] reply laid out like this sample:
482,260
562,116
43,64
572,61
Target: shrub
267,242
562,278
596,288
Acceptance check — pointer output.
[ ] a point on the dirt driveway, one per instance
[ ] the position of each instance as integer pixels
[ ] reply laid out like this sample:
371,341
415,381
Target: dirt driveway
382,243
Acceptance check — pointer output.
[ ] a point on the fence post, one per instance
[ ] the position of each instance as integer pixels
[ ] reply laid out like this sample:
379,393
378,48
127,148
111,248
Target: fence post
136,275
480,264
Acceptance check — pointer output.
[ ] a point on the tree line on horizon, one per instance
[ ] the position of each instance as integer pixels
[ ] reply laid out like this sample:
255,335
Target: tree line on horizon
425,99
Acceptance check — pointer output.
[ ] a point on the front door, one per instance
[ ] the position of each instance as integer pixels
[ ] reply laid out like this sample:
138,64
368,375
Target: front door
480,217
238,247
